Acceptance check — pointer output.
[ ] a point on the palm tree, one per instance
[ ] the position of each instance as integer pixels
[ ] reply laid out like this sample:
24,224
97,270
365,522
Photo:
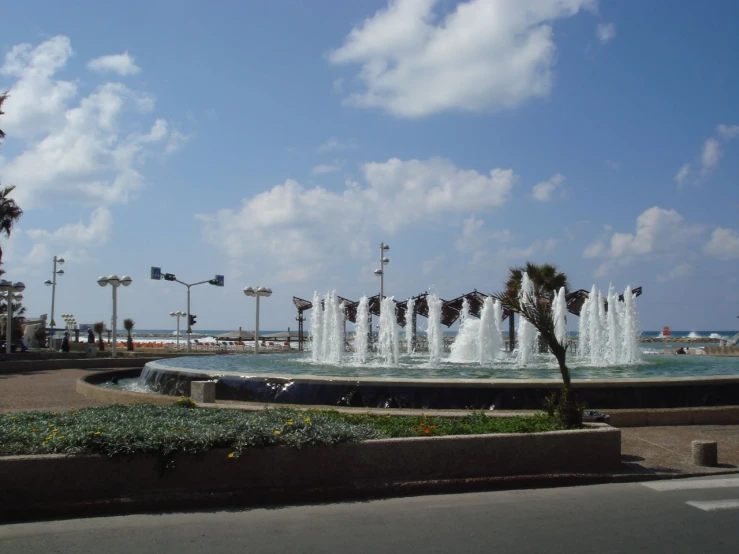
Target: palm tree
99,328
547,281
128,324
10,212
3,98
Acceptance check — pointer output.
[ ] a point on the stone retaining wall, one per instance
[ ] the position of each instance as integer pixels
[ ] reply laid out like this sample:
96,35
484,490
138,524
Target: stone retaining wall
29,483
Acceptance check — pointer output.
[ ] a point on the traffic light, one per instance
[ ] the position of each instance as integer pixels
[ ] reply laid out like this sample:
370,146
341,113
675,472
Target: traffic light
169,277
192,320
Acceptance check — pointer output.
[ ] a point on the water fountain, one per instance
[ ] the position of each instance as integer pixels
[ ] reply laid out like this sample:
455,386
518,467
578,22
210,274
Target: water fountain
433,332
361,333
409,325
388,345
609,335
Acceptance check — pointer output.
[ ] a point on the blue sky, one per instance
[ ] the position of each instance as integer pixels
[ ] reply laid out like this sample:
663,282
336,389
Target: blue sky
278,143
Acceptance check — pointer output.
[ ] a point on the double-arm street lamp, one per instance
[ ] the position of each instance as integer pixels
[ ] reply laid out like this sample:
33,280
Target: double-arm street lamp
257,292
115,282
178,315
71,325
11,291
52,283
218,281
381,272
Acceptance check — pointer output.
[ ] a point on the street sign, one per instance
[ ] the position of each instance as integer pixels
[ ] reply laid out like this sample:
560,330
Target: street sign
219,280
156,273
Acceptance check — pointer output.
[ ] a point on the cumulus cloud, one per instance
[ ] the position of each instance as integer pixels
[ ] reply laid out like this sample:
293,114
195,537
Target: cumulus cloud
727,132
293,226
681,270
711,155
682,174
37,100
605,32
484,55
659,233
122,64
73,239
475,239
724,244
89,152
544,190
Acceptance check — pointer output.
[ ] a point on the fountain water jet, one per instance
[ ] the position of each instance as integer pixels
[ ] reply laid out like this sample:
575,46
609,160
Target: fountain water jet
410,308
433,333
389,346
361,333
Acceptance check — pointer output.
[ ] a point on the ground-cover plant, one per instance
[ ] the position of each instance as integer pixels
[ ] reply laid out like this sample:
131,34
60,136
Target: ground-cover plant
168,430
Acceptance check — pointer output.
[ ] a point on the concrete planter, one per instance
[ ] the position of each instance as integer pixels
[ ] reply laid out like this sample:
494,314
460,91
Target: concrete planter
33,484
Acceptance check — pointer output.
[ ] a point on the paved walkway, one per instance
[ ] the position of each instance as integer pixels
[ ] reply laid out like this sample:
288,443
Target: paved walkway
645,449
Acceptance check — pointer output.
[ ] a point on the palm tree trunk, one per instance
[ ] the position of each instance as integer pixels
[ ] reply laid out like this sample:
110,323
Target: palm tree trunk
511,332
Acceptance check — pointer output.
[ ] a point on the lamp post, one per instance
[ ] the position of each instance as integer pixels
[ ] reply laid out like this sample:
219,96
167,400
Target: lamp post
178,315
257,292
115,281
381,272
12,292
52,283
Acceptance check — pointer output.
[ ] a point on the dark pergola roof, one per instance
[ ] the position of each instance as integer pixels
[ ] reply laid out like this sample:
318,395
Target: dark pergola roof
450,309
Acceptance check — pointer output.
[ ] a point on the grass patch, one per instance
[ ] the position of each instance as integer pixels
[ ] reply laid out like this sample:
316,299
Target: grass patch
168,430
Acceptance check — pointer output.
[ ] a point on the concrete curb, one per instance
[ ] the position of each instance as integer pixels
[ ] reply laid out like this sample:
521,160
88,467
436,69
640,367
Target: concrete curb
40,486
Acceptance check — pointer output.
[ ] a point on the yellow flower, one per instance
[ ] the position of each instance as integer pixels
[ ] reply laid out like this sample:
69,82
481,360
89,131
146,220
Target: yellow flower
307,420
289,421
61,436
276,432
232,455
97,432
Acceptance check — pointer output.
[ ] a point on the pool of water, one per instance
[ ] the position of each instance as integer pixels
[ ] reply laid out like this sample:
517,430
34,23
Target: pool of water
416,367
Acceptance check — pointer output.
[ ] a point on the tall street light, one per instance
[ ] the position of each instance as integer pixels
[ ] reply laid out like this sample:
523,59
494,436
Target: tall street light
52,283
12,292
381,272
257,292
178,315
115,282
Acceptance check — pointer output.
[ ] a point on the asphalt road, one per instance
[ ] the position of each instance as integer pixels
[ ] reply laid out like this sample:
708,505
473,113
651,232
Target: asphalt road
683,515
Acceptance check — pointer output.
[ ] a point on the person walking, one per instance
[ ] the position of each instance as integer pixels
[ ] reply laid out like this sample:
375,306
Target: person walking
90,336
65,342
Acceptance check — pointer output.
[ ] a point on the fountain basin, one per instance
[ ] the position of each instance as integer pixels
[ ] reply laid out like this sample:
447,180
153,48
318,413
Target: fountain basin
699,382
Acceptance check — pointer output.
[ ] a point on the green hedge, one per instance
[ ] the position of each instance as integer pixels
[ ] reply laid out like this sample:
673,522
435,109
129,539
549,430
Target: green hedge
167,430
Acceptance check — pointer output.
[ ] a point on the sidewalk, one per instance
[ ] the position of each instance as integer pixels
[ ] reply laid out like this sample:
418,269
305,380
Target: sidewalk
645,450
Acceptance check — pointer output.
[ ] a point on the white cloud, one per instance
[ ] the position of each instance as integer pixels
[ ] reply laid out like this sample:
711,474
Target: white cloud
605,32
72,239
37,102
475,239
659,233
677,272
682,174
485,55
711,155
122,64
322,169
544,190
333,144
727,132
292,226
724,244
85,153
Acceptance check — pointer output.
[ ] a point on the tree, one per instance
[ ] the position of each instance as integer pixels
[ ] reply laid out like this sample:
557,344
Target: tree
10,212
537,310
128,325
547,281
3,98
99,328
